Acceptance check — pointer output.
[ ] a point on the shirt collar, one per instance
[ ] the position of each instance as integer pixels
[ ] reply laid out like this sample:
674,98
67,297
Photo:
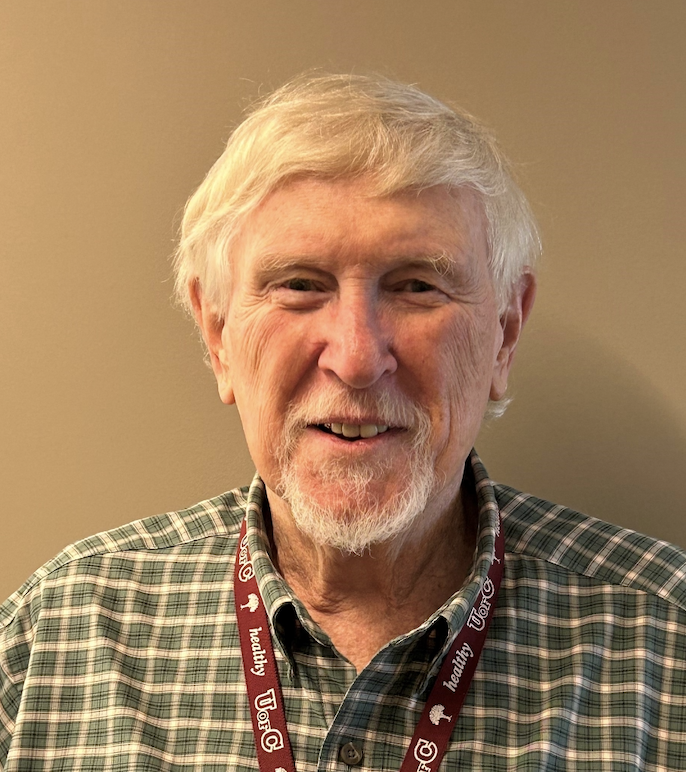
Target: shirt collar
276,593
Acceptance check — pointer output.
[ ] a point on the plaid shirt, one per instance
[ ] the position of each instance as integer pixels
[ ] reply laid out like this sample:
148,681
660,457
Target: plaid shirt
122,653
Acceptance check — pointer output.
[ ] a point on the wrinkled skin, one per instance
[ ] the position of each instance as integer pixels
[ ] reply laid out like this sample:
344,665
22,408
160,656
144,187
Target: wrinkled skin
334,289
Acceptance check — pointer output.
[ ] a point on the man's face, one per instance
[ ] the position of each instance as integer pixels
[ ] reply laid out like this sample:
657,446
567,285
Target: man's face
350,313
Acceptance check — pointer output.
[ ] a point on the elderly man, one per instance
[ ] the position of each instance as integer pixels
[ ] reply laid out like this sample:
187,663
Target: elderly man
360,265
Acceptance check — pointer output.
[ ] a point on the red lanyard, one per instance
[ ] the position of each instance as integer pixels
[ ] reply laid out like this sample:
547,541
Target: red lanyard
432,735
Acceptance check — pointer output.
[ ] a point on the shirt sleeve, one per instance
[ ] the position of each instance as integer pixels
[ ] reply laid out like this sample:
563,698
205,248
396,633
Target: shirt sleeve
16,637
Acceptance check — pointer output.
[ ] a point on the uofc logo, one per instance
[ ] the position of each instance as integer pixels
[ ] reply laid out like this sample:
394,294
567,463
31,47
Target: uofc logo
245,569
425,752
270,739
478,616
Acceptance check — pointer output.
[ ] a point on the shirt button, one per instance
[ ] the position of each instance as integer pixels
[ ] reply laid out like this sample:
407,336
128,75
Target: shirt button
350,754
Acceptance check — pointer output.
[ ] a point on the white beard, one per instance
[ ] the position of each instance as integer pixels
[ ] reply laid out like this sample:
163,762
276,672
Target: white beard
355,519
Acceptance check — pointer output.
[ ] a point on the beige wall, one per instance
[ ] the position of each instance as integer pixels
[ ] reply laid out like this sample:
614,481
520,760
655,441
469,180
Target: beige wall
113,110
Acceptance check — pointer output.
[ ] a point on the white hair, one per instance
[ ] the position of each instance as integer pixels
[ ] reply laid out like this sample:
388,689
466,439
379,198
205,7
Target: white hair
345,126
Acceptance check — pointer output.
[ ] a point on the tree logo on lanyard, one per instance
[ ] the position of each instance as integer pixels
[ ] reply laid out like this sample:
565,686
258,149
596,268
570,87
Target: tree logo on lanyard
252,604
437,713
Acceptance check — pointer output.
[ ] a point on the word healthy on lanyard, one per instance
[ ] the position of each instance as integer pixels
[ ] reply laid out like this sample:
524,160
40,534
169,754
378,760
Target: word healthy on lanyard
440,713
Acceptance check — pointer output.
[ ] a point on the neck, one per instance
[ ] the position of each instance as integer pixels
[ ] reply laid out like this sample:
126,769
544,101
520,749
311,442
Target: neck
364,601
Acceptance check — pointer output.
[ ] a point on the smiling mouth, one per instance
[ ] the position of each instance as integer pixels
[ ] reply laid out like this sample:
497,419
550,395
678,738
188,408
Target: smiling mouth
352,432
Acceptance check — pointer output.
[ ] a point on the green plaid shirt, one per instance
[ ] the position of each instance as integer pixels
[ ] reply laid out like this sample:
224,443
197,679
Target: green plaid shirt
122,653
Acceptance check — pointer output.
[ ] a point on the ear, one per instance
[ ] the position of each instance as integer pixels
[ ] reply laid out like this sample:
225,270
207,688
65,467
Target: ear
512,321
211,324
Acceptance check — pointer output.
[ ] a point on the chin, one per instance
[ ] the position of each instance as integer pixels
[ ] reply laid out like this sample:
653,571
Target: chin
353,501
354,509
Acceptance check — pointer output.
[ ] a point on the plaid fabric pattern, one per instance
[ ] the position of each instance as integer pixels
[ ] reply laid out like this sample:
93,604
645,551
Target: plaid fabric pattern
122,653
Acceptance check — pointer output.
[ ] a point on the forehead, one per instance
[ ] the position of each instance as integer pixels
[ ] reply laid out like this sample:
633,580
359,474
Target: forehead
344,219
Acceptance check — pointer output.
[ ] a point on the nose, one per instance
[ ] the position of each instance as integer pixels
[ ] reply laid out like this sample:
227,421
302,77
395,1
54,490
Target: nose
358,345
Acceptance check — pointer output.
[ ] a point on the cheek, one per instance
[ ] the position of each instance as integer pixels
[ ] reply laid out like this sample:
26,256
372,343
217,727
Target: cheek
252,341
464,365
251,335
471,351
267,365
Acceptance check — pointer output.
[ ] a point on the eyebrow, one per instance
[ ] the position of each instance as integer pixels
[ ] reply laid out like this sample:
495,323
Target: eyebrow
272,263
444,264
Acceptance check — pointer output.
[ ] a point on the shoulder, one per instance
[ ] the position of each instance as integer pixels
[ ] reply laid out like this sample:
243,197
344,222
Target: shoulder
590,548
160,539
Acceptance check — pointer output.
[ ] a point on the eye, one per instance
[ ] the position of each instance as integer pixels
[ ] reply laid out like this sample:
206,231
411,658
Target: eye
299,292
300,285
415,285
412,291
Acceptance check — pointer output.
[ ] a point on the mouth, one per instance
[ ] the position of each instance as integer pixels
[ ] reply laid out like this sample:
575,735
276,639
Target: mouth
352,432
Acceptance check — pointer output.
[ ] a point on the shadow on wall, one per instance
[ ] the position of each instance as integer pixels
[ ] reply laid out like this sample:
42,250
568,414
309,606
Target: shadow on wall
592,434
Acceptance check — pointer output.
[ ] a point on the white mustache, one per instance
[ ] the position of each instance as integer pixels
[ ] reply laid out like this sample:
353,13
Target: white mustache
355,407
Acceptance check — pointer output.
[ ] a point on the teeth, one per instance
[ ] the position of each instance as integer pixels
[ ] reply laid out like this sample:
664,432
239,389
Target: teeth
357,430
